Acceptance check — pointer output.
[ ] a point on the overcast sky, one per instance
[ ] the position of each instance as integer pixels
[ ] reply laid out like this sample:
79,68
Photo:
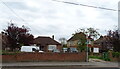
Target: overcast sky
47,17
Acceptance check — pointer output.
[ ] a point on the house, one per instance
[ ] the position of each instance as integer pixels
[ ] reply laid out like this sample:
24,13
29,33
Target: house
76,39
73,41
47,44
105,43
80,39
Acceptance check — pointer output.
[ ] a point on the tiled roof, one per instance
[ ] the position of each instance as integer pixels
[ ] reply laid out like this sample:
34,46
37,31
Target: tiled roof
45,41
77,36
103,38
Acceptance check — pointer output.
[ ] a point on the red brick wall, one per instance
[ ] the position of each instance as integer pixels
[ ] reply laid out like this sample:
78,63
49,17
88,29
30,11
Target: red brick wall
8,58
45,57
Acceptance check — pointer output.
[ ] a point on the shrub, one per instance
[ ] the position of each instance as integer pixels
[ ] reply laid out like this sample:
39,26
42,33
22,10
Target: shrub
116,54
96,57
9,53
107,59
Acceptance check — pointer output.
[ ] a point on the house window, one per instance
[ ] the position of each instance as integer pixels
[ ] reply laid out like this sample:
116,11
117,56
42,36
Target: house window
68,43
96,50
71,43
51,47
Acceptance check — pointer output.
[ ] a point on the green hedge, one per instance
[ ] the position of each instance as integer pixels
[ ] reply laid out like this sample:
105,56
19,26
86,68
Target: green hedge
9,53
116,54
96,57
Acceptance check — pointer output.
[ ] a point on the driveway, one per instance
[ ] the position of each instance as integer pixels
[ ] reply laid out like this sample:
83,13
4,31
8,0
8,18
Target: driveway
96,60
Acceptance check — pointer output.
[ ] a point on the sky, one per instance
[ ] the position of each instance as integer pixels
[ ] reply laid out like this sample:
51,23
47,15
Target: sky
48,17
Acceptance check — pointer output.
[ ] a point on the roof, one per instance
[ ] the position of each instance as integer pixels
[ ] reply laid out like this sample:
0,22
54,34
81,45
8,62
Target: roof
45,41
103,38
77,36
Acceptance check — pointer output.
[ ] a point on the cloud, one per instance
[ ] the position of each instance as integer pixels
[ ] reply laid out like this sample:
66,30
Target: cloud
47,17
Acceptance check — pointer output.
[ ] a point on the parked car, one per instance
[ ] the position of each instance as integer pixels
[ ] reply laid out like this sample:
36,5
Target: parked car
56,50
65,50
73,50
30,49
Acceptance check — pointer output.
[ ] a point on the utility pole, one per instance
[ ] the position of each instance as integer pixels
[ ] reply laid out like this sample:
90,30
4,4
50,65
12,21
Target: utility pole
87,50
119,19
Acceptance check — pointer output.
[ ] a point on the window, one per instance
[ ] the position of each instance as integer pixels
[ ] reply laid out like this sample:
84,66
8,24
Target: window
71,43
33,49
96,50
51,47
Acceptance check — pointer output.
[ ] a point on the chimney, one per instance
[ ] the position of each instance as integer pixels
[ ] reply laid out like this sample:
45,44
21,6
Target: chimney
52,36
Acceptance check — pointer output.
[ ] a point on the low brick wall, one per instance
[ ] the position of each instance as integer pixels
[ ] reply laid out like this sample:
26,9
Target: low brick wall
44,57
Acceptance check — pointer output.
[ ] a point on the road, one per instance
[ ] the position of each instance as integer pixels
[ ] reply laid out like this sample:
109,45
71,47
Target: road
92,64
69,67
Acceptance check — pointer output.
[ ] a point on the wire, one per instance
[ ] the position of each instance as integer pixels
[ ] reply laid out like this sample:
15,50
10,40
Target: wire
86,5
16,14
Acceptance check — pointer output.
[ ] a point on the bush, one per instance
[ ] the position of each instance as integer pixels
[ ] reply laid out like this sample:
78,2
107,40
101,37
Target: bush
107,59
9,53
96,57
116,54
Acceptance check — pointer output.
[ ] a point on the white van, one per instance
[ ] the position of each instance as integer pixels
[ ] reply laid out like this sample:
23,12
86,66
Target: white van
29,49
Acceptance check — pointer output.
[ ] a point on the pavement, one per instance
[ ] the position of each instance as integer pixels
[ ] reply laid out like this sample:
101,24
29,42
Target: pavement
91,63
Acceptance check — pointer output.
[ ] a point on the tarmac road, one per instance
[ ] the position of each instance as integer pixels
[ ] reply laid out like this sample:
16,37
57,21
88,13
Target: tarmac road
92,64
68,67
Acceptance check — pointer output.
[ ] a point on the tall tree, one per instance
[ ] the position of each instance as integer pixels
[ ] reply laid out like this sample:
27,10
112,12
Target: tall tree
18,36
82,43
114,35
90,32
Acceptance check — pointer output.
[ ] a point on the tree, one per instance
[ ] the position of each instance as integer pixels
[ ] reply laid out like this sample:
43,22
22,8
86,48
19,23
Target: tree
82,43
63,41
90,32
114,35
18,36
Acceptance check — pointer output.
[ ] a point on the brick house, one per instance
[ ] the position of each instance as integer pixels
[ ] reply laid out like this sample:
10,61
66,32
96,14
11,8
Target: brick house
105,43
78,38
47,44
72,43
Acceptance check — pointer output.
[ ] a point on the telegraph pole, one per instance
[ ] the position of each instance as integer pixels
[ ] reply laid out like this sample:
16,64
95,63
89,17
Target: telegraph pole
119,19
87,50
